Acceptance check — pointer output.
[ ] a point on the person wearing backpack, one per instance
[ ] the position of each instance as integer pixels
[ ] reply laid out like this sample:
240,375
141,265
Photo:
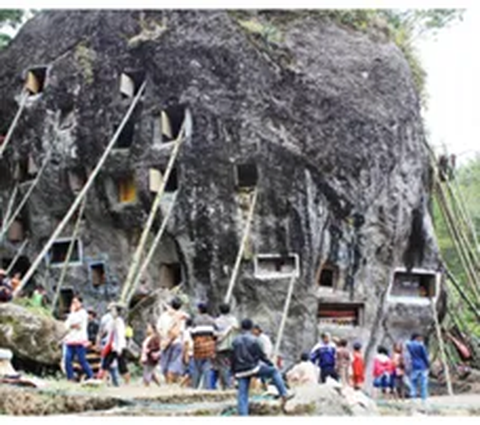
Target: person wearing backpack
227,327
170,327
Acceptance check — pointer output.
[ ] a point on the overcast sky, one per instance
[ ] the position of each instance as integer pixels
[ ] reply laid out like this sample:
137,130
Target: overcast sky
453,85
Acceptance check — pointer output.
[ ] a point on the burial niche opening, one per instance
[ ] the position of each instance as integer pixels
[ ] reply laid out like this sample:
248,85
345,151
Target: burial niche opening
77,177
130,83
340,314
328,277
57,254
17,230
126,189
246,175
21,265
276,266
36,78
414,284
125,139
25,169
156,179
65,299
98,274
170,275
172,120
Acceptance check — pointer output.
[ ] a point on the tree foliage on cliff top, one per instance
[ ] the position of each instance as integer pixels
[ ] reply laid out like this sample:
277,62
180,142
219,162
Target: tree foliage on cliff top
11,18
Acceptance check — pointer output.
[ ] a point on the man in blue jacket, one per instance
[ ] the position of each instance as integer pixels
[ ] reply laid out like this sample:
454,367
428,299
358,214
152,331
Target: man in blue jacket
419,365
249,360
323,355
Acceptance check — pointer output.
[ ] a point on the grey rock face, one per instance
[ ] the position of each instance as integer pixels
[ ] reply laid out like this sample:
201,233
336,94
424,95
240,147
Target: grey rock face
29,335
332,124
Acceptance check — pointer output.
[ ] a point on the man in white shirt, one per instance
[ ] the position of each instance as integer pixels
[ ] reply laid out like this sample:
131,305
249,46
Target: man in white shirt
116,344
304,372
76,339
264,340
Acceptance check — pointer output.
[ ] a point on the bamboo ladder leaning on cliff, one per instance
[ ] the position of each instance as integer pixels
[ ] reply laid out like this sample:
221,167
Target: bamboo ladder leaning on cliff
23,100
151,252
131,281
70,249
243,244
11,218
78,200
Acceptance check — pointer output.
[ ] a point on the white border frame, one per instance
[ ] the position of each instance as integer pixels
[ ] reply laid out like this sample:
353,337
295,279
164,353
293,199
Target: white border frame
270,276
423,301
71,263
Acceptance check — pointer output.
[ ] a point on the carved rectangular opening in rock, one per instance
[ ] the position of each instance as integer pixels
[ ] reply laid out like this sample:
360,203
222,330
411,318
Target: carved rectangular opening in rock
127,189
125,138
246,175
36,78
276,266
25,169
156,178
328,277
58,252
172,120
98,275
16,231
77,177
170,275
22,264
340,314
413,284
130,83
64,300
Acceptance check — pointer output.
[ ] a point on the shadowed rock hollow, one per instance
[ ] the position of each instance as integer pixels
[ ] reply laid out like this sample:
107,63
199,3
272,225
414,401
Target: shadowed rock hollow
329,118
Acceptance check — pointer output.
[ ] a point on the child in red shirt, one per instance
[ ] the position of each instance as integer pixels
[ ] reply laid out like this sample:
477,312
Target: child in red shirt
358,367
382,370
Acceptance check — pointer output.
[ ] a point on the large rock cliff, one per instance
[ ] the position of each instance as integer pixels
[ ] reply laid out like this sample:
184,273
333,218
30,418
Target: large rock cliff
328,117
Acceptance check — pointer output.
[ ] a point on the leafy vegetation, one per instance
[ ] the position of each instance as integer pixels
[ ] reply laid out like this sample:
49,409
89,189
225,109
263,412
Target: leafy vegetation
9,18
467,179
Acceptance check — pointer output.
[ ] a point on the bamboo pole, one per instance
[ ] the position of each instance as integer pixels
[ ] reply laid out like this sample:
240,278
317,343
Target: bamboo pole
82,193
17,256
71,246
464,230
457,194
137,256
152,249
459,289
11,202
26,197
243,244
458,247
286,307
23,101
442,350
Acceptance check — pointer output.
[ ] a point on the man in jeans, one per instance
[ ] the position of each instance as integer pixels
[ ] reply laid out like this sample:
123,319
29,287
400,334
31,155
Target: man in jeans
76,339
203,334
249,360
419,364
227,326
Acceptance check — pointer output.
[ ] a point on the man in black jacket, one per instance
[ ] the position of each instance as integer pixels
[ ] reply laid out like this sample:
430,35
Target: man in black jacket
249,360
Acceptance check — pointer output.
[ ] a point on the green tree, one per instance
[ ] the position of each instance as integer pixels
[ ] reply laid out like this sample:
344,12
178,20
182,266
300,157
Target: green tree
9,18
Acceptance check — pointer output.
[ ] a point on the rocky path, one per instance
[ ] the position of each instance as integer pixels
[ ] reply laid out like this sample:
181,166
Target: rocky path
60,398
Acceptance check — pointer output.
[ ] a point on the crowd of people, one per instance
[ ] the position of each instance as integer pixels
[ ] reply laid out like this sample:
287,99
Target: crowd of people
9,284
220,352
